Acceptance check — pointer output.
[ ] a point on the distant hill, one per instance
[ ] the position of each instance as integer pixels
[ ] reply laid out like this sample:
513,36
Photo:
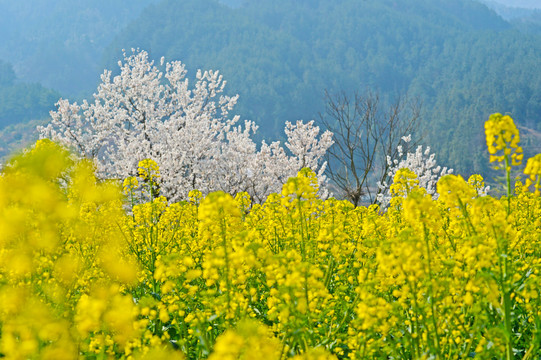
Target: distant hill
59,43
46,45
462,59
20,101
509,13
21,105
525,19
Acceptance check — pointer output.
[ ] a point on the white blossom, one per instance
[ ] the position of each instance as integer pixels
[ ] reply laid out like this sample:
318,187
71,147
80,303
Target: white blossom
148,113
422,163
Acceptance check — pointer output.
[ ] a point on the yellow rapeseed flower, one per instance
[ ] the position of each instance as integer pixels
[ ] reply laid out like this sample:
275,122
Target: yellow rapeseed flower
502,135
148,170
130,183
533,169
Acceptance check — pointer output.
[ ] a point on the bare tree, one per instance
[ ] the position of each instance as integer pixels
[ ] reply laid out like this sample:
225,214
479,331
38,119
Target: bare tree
365,135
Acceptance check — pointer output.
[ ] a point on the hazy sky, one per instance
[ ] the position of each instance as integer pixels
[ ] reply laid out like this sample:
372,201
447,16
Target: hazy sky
530,4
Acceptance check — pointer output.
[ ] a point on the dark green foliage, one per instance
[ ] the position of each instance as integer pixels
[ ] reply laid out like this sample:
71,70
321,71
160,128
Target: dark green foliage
21,102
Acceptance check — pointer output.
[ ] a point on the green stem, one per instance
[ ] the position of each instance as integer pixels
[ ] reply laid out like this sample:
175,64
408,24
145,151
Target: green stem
508,181
301,219
466,215
507,315
226,255
505,277
431,290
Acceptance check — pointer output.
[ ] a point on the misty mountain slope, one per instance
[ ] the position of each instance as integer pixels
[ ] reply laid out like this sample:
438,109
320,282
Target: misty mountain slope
204,34
59,43
524,16
20,101
475,76
461,58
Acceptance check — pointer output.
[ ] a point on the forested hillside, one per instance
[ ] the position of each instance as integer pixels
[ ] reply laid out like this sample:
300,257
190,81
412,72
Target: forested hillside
59,43
525,16
460,58
22,101
51,45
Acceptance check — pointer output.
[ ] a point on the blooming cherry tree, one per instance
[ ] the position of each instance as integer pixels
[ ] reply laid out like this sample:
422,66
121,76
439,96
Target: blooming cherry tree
145,112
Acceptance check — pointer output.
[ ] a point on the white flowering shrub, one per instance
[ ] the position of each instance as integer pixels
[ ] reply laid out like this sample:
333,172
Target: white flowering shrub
147,113
421,162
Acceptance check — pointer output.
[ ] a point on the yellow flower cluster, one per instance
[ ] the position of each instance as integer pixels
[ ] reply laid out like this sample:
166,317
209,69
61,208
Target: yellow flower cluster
148,170
533,170
63,268
404,182
502,134
294,277
130,184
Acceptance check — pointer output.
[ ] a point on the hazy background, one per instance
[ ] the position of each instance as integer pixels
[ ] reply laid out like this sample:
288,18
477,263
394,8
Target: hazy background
526,4
463,59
